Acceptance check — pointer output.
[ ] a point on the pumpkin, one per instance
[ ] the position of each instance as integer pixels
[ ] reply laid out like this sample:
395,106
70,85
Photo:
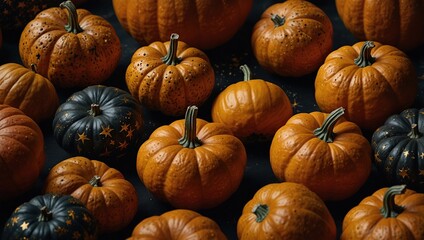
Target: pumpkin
51,216
285,211
389,213
103,190
323,151
27,90
21,152
396,23
178,224
292,38
252,108
398,148
370,80
170,76
192,163
203,24
72,48
99,122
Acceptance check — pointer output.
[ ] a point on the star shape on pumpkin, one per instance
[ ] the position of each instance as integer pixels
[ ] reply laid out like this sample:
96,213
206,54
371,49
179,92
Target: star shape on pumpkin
86,218
125,100
422,155
403,172
71,214
295,104
391,158
130,133
421,172
106,153
112,142
409,115
405,153
377,158
388,169
82,137
124,127
24,225
123,145
106,131
14,220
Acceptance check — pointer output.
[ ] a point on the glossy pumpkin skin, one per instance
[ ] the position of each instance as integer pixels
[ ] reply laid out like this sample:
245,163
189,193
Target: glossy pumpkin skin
170,76
203,24
324,152
389,213
99,122
21,151
103,190
191,163
72,48
27,90
292,38
398,148
370,80
51,216
178,224
285,211
392,22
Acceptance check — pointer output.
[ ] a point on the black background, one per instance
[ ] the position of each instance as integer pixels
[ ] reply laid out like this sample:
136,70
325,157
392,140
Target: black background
225,60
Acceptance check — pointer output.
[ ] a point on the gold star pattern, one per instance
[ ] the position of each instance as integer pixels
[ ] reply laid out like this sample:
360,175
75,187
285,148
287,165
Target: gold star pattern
422,155
106,131
71,214
24,225
112,142
15,220
405,153
391,158
130,133
124,127
123,145
403,172
125,100
82,137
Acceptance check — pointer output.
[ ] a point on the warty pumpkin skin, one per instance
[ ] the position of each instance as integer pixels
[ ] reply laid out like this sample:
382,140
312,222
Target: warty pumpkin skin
204,24
21,152
370,80
178,224
170,76
292,38
111,199
72,48
192,163
325,152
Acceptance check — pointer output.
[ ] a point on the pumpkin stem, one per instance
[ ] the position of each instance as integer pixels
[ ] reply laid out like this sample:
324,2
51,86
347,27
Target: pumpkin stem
95,181
246,72
261,211
325,132
171,57
190,140
414,131
365,59
278,20
95,109
45,215
73,25
390,209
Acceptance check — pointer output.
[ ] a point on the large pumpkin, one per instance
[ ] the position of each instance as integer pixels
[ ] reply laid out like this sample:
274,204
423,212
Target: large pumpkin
192,163
398,23
21,152
203,24
370,80
72,48
170,76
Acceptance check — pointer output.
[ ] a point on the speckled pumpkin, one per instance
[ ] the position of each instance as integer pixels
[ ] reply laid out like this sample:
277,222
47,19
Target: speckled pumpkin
72,48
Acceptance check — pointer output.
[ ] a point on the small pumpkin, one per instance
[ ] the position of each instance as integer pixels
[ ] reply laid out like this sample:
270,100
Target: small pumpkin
51,216
99,122
27,90
103,190
178,224
370,80
398,148
292,38
21,152
192,163
170,76
389,213
285,211
323,151
72,48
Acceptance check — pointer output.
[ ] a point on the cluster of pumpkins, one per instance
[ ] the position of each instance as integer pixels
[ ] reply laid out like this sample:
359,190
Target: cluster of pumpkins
196,164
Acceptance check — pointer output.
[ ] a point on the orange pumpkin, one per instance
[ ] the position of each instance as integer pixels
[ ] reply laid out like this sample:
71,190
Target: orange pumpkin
389,213
21,152
203,24
170,76
285,211
292,38
178,224
192,163
370,80
72,48
111,199
324,152
252,108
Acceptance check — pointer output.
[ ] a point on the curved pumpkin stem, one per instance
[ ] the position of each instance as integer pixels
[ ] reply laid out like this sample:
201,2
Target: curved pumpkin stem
325,132
390,209
171,57
95,181
414,133
73,25
45,215
261,211
365,59
278,20
190,140
94,110
246,72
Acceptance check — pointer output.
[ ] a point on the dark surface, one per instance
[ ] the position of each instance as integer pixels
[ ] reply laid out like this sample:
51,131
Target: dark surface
226,61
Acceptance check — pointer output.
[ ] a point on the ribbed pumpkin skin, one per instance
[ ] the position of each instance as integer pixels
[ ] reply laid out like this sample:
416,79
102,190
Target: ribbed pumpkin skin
27,90
178,224
203,24
21,152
